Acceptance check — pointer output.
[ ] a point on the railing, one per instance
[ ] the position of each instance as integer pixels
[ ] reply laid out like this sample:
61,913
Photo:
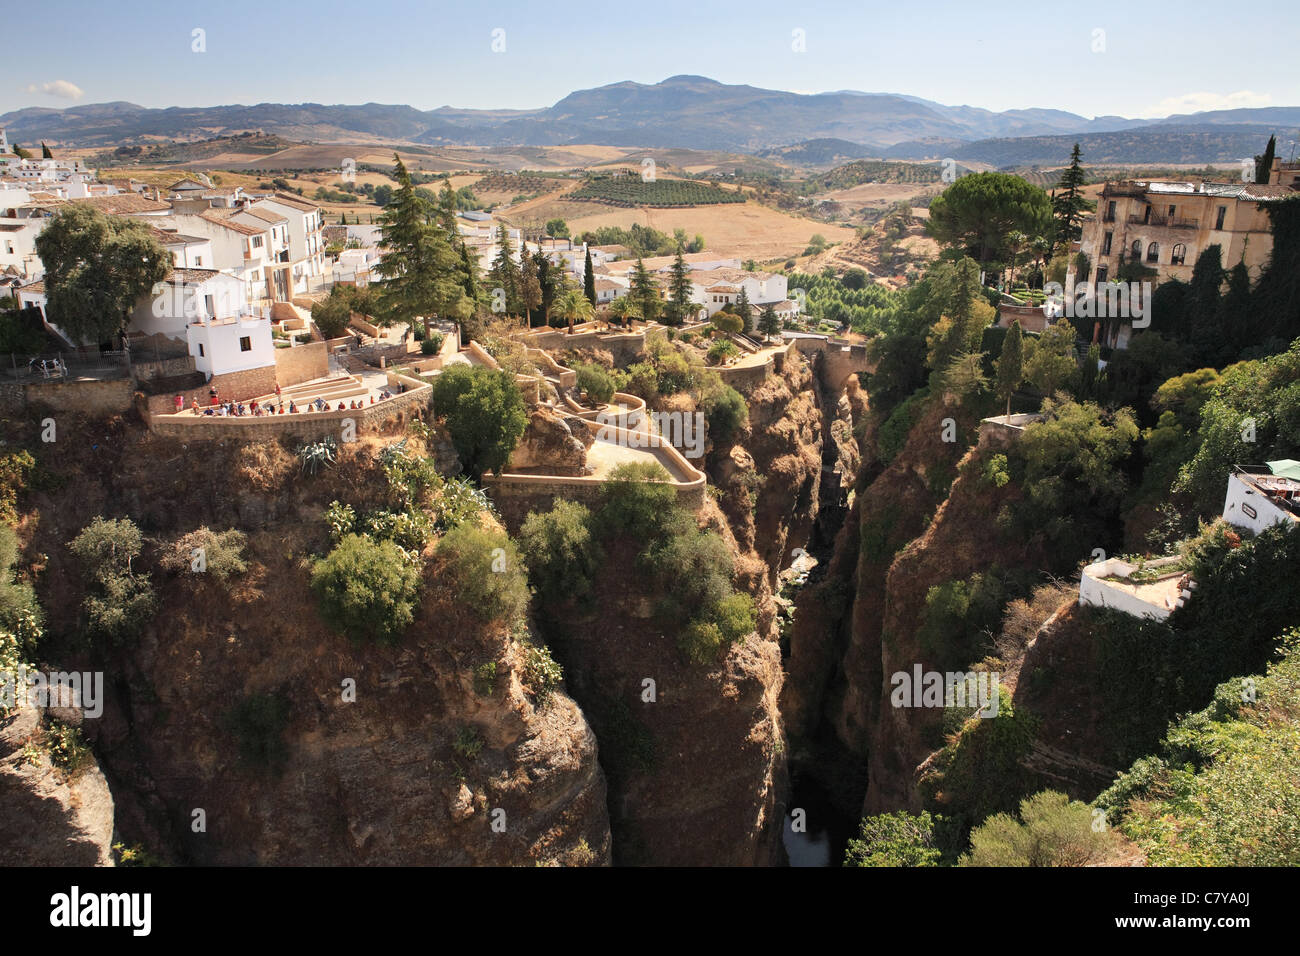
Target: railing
58,366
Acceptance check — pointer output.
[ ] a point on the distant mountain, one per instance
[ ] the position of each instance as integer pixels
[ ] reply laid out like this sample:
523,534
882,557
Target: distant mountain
1160,143
682,111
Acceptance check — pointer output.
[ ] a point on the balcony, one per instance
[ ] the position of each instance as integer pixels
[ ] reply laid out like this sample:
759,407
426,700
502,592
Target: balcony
1164,222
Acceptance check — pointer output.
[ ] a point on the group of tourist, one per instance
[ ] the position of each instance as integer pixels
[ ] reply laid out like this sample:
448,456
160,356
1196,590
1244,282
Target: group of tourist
278,406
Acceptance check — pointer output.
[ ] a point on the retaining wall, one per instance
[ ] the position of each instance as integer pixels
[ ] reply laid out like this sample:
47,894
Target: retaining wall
301,363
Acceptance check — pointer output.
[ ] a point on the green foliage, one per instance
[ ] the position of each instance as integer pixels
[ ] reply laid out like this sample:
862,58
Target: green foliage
467,743
996,472
1050,363
134,855
1223,791
727,322
16,469
561,553
631,191
721,350
727,622
97,268
960,618
485,415
367,588
867,309
542,675
257,723
119,601
458,502
485,678
67,750
221,553
20,613
341,520
597,381
332,315
979,211
1252,416
894,839
1053,830
1205,551
486,571
893,432
637,501
725,414
1010,365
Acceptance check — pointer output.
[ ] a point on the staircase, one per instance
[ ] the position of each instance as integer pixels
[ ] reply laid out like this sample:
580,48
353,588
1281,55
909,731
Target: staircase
333,390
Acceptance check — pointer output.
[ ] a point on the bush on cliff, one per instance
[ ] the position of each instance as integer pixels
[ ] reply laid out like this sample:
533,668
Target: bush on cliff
119,600
486,572
367,588
485,415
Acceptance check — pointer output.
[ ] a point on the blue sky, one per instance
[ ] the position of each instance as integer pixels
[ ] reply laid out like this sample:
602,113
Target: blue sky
1154,58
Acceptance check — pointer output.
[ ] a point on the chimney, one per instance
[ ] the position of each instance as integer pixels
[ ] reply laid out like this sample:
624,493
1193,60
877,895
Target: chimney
1275,174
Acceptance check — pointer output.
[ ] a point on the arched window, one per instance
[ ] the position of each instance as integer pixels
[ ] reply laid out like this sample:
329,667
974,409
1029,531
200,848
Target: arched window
1136,253
1179,255
1153,252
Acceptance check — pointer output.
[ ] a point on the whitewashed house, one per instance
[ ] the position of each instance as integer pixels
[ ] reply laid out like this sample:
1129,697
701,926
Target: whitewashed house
209,312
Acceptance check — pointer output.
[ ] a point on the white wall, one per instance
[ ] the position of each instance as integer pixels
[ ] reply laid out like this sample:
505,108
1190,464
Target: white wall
217,350
1241,497
1098,593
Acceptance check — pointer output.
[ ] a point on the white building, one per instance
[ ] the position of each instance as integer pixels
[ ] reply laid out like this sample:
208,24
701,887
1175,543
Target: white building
1155,595
209,312
1259,498
243,248
305,242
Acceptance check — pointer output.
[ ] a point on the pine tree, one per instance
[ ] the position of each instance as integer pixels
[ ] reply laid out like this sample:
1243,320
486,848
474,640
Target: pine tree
745,311
679,289
504,275
769,323
644,293
1069,204
447,208
420,272
46,154
530,287
1264,164
589,280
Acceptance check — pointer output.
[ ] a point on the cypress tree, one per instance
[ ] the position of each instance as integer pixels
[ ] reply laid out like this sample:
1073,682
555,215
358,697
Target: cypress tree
1011,365
1264,164
589,280
745,311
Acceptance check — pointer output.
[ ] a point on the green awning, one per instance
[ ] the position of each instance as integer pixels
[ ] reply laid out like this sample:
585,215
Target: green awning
1285,468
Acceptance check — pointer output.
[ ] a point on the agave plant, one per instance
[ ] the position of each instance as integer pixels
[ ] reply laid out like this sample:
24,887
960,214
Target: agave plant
316,455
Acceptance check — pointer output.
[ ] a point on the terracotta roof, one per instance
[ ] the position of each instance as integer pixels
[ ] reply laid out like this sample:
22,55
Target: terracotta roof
214,216
297,202
190,276
37,286
263,214
171,238
123,204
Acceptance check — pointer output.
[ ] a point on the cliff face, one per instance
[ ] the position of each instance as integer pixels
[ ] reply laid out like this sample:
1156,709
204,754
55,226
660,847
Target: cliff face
296,745
50,818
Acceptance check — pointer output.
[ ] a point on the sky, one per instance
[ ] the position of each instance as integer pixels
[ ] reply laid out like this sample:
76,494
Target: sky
1131,58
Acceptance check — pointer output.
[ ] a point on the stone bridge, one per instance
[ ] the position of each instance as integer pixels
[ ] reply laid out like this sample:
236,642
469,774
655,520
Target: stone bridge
840,358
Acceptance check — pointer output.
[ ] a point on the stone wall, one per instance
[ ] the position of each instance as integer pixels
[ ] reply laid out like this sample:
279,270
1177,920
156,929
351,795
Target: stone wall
301,363
112,397
304,426
147,371
745,378
516,495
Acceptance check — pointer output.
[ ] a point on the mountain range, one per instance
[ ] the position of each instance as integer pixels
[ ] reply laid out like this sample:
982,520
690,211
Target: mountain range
681,111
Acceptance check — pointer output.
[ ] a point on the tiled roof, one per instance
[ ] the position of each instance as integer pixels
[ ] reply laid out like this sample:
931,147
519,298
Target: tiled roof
171,238
191,276
124,204
214,216
36,287
297,202
263,214
1249,192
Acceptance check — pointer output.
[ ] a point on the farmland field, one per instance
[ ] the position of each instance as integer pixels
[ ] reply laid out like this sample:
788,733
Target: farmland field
634,191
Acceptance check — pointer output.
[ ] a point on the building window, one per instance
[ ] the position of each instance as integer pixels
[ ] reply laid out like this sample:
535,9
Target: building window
245,343
1153,252
1179,255
1135,253
1172,210
198,262
257,242
1223,211
1101,274
201,352
1105,244
1110,212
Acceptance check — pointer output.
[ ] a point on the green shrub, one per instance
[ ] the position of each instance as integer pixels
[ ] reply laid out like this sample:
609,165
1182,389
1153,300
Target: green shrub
485,678
486,572
15,475
468,743
313,456
721,350
725,413
485,415
220,553
560,550
598,382
67,749
637,500
894,839
541,673
341,520
119,601
1202,553
20,613
1052,831
367,588
460,501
